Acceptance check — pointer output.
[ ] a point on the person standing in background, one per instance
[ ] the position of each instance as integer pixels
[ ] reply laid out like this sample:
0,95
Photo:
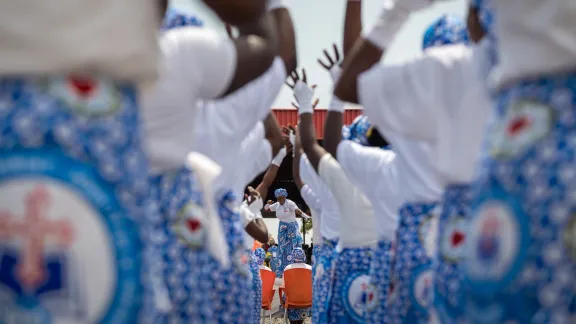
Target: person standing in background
289,236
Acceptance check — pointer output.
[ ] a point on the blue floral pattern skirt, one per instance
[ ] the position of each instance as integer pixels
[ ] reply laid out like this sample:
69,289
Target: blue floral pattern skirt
256,291
379,286
289,238
237,280
412,275
323,281
522,247
73,176
351,291
449,297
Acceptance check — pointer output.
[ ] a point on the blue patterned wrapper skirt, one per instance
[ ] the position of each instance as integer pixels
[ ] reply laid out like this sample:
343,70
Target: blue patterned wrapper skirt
379,286
289,238
256,291
199,289
352,290
521,259
449,296
323,281
73,176
412,273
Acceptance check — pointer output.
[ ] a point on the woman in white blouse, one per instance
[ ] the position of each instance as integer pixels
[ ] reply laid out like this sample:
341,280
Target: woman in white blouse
288,230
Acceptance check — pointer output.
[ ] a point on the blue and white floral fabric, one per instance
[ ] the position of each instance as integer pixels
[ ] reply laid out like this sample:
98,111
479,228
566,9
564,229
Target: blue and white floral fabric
323,280
73,176
446,30
412,272
352,291
522,252
289,239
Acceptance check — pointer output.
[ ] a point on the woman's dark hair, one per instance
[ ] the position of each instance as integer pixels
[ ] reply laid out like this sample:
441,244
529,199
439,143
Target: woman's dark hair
376,139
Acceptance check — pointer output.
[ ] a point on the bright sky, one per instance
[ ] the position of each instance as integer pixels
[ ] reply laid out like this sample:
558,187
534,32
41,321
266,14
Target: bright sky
319,23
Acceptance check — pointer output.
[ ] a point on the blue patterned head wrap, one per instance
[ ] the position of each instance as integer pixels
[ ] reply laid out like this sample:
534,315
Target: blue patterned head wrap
485,13
175,19
358,131
259,255
298,256
280,192
445,30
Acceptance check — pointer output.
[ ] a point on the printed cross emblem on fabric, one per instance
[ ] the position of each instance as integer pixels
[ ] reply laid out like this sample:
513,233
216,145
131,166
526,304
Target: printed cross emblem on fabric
33,232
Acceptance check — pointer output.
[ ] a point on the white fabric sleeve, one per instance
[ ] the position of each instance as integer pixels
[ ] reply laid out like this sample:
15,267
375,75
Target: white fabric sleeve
245,214
256,159
307,173
106,37
239,111
293,206
408,98
362,164
206,59
274,206
310,198
332,174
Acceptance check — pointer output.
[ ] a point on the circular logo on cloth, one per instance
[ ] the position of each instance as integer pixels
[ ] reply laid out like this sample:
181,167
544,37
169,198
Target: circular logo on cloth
525,123
357,294
190,225
453,240
423,288
497,242
68,252
428,234
85,95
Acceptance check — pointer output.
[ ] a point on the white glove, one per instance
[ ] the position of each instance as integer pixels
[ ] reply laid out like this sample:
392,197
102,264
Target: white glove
335,72
304,95
305,216
277,160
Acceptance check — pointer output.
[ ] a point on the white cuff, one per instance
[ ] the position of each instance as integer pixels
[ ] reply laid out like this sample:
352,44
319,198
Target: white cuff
279,157
387,25
275,4
336,105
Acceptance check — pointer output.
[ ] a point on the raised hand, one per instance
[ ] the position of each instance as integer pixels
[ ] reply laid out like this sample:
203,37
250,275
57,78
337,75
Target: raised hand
303,93
334,62
295,77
